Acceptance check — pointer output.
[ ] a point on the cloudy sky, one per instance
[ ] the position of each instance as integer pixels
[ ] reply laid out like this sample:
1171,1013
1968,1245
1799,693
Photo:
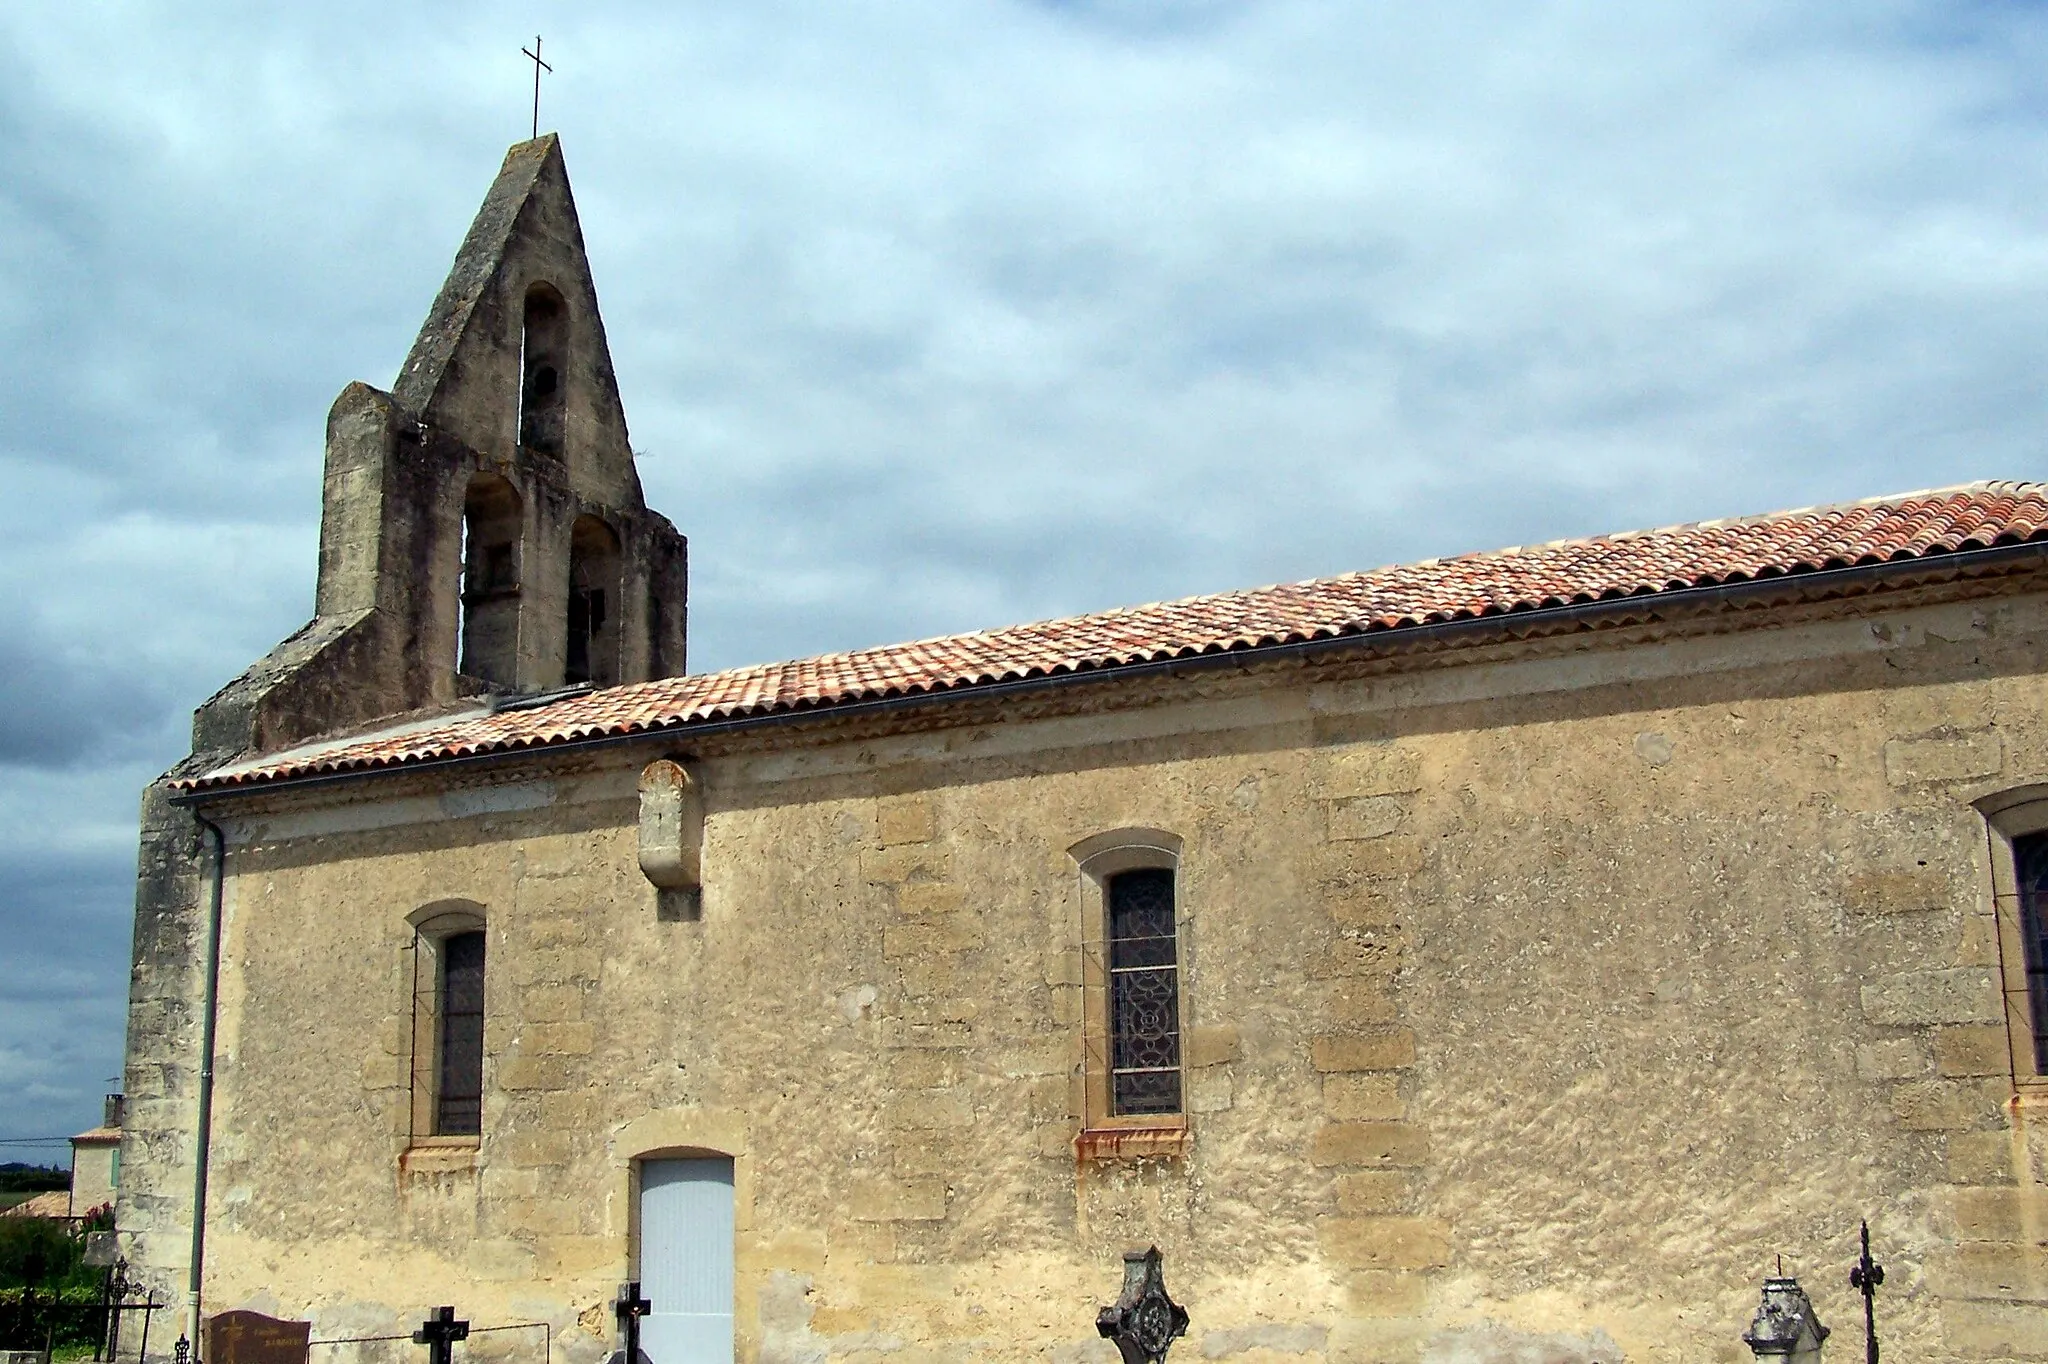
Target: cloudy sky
937,314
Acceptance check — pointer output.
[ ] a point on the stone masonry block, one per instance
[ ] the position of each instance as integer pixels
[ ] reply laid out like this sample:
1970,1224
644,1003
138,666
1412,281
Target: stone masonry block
1386,1049
1385,1242
921,940
905,862
928,1111
1370,1143
558,1039
921,899
924,1069
1362,1000
551,1003
1209,1091
1972,1049
1948,1105
1386,1293
1918,998
1995,1330
383,1071
904,819
1365,1193
556,930
1371,770
1988,1271
905,1200
898,1033
500,1261
1212,1045
1897,1058
536,1148
534,1072
1896,892
1361,817
2018,1214
556,964
1356,954
1365,904
1363,1096
1342,865
1977,944
1909,762
1980,1157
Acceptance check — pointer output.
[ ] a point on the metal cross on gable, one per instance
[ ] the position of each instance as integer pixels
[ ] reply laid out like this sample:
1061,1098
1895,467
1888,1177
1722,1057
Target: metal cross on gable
538,67
439,1334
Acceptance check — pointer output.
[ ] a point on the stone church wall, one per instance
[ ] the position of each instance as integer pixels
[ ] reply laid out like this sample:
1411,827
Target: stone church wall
1533,1006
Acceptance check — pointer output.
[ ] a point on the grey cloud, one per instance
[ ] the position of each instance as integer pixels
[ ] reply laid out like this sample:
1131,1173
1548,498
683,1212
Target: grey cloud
935,316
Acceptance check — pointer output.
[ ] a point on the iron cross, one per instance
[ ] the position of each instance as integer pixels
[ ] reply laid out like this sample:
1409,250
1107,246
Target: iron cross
629,1309
1865,1278
538,67
439,1334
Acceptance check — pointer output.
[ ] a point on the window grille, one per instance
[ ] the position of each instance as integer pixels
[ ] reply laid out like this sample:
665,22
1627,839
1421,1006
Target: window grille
1144,993
2030,863
458,1095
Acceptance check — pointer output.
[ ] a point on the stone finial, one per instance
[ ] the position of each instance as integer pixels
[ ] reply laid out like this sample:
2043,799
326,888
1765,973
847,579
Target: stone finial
1143,1321
1786,1327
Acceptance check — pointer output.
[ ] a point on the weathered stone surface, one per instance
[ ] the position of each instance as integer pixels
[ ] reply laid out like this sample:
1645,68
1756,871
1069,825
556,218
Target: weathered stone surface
1388,1049
1960,758
1896,892
1917,998
1973,1049
1385,1242
1370,1143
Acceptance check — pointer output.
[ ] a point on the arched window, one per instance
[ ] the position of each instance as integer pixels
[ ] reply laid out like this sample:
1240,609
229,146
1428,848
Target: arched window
593,604
543,358
1132,973
491,523
448,1020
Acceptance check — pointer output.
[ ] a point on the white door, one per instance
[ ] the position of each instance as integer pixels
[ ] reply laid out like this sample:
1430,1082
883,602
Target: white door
686,1260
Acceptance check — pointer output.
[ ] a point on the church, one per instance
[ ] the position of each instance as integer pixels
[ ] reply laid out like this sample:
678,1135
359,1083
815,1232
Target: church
1500,959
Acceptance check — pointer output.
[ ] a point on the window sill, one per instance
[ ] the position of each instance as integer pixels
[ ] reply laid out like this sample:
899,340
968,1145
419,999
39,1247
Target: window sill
439,1155
1162,1138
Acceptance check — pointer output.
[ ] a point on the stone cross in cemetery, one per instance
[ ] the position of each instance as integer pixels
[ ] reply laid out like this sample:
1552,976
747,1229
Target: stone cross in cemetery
1143,1321
251,1338
439,1334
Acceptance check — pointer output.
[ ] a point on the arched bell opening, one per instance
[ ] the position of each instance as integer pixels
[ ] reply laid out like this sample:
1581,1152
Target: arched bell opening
593,604
543,360
491,524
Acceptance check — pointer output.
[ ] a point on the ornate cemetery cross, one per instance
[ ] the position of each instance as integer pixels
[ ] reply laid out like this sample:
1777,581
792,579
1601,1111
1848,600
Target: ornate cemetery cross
1144,1321
629,1309
538,67
1866,1277
439,1334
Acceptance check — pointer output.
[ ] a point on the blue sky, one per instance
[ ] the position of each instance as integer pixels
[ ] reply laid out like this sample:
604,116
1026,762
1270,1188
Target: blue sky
931,316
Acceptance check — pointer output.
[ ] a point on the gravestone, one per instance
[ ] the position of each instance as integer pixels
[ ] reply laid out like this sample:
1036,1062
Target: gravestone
251,1338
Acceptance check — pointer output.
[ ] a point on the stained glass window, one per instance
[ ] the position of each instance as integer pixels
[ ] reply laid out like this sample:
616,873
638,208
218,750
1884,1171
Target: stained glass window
2030,860
1144,993
458,1097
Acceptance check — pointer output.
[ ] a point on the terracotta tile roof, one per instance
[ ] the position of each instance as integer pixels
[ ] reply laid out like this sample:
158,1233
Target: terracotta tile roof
55,1203
1523,579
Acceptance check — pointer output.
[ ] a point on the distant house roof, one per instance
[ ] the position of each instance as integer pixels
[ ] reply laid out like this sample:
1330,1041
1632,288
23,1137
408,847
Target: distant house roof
1506,582
55,1203
98,1136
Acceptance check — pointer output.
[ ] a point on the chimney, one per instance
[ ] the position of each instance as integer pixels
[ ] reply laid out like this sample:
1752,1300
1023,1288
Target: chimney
117,1105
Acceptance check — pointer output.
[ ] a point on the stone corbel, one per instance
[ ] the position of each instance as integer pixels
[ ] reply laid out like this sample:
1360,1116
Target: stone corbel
671,827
